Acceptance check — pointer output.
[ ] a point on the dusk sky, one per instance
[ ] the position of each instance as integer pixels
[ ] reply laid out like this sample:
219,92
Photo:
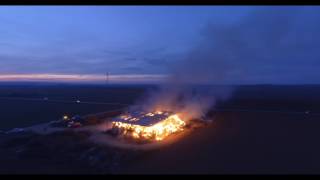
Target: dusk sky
145,41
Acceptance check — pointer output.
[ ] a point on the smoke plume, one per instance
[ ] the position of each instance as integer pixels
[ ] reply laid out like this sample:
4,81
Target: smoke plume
223,54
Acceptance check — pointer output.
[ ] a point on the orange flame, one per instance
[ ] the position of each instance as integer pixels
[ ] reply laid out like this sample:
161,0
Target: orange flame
158,131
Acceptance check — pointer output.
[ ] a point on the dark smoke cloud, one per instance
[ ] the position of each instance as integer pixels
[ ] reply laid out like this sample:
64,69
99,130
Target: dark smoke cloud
267,41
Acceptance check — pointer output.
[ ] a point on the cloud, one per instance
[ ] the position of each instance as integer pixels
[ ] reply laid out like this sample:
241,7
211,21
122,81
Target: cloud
270,45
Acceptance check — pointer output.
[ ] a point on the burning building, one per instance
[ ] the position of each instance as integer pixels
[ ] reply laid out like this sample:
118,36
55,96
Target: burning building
148,126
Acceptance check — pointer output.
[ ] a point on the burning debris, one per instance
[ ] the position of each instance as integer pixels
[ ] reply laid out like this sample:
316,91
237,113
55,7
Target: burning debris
147,126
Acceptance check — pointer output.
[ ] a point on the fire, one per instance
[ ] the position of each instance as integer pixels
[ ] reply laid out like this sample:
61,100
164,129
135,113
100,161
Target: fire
158,131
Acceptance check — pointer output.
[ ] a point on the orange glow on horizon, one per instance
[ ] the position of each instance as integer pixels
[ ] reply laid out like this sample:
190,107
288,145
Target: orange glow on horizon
77,77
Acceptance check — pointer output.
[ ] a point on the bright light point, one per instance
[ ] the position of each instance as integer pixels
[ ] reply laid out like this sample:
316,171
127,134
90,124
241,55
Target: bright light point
65,117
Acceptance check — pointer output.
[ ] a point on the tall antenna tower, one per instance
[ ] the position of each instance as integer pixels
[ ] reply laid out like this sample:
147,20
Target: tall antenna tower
107,78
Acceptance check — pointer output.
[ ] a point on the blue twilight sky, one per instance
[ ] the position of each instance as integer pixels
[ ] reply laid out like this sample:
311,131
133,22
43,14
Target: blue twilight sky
148,40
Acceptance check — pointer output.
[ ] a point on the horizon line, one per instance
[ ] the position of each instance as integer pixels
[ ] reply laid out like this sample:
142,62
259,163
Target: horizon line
94,78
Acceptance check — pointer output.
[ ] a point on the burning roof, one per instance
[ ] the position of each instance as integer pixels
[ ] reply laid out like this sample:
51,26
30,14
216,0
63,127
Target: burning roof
153,125
142,118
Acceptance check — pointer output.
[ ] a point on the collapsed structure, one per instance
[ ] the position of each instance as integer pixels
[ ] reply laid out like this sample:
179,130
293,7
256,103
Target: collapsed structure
148,126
